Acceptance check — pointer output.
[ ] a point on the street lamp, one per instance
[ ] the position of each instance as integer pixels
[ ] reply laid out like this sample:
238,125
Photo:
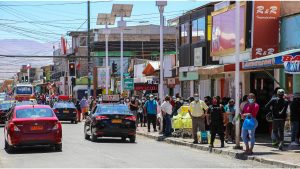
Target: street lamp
106,19
122,10
161,5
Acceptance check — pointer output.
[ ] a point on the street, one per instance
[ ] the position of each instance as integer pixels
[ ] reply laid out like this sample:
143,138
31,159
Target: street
107,153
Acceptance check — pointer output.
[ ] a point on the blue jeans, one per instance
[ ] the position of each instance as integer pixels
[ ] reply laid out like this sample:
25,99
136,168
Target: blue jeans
251,134
295,129
167,131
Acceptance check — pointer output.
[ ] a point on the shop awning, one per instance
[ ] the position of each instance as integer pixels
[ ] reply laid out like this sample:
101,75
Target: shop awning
273,60
151,68
211,69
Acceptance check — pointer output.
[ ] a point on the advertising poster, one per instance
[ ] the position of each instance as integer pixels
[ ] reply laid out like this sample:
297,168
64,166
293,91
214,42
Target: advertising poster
265,28
101,72
223,31
291,62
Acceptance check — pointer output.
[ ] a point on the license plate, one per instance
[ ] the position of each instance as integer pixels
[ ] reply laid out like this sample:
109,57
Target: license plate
116,121
66,111
35,128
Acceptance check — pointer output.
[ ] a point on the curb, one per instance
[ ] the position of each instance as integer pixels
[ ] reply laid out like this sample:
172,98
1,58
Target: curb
237,154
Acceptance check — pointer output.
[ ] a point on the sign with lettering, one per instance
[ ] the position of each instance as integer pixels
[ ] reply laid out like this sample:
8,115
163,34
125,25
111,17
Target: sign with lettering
142,86
258,64
291,63
266,28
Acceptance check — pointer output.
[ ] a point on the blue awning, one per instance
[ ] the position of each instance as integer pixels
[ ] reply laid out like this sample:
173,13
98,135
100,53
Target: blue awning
272,60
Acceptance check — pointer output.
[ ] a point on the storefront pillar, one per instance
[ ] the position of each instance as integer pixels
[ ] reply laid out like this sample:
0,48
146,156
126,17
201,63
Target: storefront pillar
296,83
282,78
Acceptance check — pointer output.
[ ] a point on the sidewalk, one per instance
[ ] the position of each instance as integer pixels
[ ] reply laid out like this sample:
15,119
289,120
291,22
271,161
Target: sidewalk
263,151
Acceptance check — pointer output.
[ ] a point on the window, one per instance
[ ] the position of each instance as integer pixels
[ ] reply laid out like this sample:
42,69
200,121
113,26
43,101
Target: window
198,30
185,32
34,113
116,109
83,40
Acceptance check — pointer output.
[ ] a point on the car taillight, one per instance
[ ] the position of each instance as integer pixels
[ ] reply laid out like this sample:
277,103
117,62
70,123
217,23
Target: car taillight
75,111
55,111
102,118
56,126
131,118
13,127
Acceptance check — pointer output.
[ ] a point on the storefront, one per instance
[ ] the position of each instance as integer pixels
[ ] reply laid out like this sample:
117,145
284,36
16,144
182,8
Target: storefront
187,78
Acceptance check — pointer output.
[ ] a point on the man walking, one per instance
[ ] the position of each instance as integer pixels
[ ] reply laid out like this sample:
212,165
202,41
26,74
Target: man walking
166,109
197,111
151,110
279,108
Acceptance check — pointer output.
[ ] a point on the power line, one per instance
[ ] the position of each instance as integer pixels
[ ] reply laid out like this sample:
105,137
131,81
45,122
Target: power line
54,4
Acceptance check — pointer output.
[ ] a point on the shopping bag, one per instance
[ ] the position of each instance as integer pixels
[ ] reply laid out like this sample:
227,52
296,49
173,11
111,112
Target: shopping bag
177,123
202,137
249,123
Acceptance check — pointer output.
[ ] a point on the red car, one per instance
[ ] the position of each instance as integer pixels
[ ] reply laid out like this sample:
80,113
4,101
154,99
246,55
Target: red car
30,125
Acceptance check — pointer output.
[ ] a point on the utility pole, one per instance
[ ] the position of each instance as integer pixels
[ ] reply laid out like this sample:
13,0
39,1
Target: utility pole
89,49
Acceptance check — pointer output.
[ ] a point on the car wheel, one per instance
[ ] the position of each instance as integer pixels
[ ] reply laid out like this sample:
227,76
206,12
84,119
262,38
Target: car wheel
86,136
58,147
123,139
8,147
93,136
132,139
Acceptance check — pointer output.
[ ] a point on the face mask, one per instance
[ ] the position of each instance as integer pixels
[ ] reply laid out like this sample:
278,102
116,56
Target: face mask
127,100
196,98
151,99
251,100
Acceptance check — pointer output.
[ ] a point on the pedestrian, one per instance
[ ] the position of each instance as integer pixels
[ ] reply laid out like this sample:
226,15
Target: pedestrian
134,106
177,106
279,107
294,118
215,111
78,110
173,100
151,110
166,110
250,112
84,107
140,113
229,126
197,111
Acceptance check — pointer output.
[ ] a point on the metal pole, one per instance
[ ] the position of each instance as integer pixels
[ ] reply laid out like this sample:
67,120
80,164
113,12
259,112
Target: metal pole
161,42
106,59
237,75
121,64
89,49
28,74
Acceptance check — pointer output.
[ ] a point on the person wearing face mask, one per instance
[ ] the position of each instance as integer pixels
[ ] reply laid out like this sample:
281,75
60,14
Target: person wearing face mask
215,111
166,109
197,111
279,108
250,111
151,111
134,106
230,111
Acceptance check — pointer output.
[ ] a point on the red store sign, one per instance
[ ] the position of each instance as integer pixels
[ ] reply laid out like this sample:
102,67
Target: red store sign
143,86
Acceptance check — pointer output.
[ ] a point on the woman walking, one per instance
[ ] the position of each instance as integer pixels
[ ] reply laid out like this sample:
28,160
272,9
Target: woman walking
250,123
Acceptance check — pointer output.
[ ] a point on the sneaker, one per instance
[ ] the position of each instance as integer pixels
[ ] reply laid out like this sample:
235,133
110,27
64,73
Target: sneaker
294,143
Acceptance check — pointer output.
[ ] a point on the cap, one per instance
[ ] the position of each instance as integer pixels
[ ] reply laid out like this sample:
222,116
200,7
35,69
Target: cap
151,95
280,91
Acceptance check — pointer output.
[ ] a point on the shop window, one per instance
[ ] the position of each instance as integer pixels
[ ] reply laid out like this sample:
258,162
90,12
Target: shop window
83,40
184,33
198,30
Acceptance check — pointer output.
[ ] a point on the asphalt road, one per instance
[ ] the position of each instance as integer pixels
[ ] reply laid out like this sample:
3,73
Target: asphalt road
106,153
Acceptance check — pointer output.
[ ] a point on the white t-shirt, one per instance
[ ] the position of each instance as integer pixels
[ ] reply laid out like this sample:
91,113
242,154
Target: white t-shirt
166,107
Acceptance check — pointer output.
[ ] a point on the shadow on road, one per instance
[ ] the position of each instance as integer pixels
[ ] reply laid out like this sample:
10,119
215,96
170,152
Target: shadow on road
32,150
112,140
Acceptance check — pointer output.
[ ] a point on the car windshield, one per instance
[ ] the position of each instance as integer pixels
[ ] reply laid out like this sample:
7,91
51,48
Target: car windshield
112,109
64,105
34,113
5,106
24,90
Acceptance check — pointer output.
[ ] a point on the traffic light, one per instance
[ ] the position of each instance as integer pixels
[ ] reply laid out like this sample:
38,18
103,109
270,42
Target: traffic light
72,71
26,78
23,79
114,68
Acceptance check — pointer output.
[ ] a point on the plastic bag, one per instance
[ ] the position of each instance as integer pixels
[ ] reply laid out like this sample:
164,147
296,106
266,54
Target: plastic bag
177,123
187,121
249,123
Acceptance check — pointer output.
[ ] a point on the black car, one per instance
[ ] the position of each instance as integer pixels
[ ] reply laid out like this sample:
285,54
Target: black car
5,107
110,120
65,111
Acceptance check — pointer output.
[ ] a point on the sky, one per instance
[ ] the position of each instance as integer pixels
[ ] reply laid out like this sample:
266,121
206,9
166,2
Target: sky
42,23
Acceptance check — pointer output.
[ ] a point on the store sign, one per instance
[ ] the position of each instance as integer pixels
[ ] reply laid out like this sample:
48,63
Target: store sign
128,84
291,63
266,28
140,87
223,33
258,64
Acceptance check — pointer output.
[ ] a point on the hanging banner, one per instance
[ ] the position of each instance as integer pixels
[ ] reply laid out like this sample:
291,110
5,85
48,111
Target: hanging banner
265,28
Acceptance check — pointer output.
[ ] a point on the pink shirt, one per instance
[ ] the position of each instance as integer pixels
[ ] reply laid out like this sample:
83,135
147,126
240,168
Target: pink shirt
251,108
